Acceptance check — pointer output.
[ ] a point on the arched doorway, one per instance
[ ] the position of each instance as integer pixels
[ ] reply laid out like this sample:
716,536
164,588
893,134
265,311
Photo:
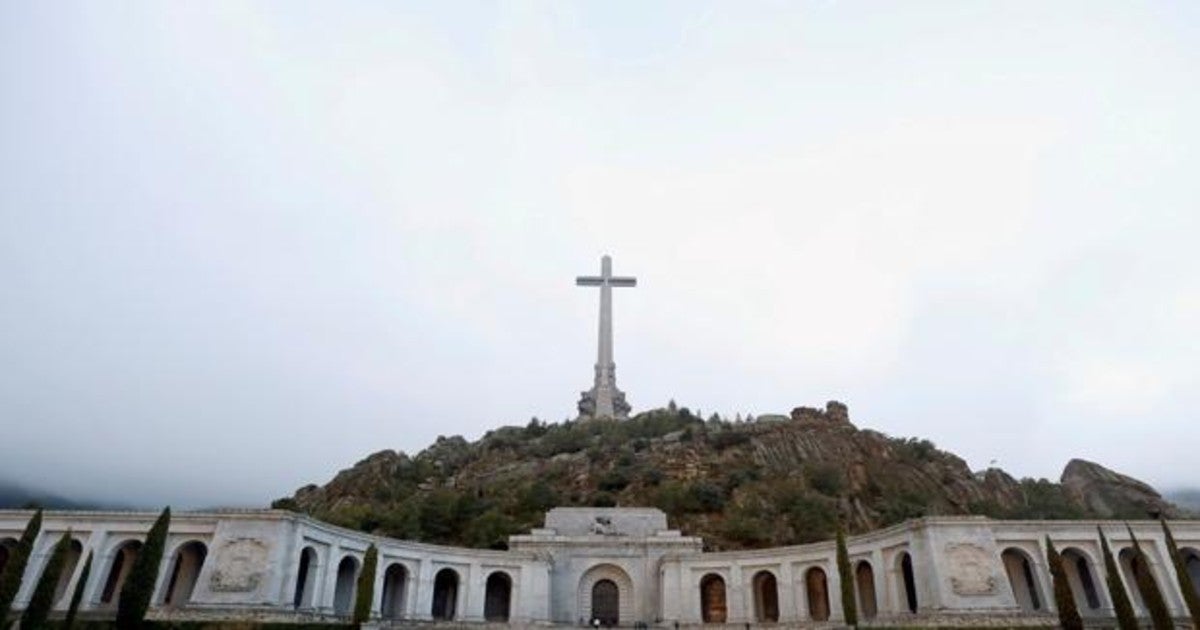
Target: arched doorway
445,595
185,570
1082,578
620,591
306,579
816,588
497,598
606,603
1131,567
712,599
766,597
74,553
395,582
908,581
122,561
1022,579
1191,563
343,590
864,580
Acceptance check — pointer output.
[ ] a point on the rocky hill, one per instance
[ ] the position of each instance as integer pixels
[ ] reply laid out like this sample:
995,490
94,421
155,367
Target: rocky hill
771,481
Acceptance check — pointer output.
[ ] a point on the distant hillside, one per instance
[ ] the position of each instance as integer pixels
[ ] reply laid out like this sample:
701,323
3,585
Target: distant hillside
773,481
1188,499
14,496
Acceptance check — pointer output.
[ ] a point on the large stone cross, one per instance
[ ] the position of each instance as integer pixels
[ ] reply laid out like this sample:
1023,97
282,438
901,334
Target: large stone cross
604,399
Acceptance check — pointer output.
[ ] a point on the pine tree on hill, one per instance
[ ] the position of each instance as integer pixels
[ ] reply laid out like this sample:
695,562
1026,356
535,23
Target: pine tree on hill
1160,615
14,571
1122,607
846,579
77,596
34,617
1064,600
365,592
1186,586
139,586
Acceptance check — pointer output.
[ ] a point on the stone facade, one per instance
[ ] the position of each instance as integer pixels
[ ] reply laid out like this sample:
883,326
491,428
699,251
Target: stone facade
596,562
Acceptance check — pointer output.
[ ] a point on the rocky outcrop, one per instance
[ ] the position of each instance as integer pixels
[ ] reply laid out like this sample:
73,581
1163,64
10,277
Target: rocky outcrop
774,481
1110,494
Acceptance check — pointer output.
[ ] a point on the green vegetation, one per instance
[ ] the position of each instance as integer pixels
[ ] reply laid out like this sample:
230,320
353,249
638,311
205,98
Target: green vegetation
1182,576
365,590
34,617
14,571
1151,595
139,585
737,483
1068,614
77,596
846,579
1126,618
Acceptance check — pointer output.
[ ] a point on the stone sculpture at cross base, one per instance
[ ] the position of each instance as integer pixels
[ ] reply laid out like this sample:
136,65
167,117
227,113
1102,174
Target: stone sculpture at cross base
587,405
604,400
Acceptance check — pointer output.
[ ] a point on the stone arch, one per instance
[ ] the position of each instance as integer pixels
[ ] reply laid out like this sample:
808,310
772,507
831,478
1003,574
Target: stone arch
1082,576
185,572
1022,579
766,597
70,563
497,597
395,587
445,595
1191,563
864,581
713,606
816,589
122,557
306,578
343,589
1131,567
618,579
908,581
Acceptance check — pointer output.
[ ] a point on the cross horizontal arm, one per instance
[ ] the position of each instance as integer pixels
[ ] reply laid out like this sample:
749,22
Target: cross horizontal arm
622,282
589,281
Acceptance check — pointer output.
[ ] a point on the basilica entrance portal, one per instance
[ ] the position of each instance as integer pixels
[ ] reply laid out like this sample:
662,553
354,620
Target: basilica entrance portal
606,596
606,603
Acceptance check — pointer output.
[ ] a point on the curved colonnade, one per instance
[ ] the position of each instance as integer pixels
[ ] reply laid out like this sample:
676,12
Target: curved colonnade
279,564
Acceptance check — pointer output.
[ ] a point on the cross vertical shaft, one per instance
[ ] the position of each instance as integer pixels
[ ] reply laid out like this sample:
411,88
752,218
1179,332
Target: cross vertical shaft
604,399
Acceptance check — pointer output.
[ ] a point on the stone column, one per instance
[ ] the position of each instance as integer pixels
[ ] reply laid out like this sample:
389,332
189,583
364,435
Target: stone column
328,582
472,594
423,582
740,600
833,591
879,577
790,608
100,567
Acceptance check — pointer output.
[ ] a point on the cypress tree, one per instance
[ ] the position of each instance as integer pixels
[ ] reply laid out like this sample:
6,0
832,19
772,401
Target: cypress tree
1186,586
846,579
139,585
77,596
1151,595
1126,618
34,617
1064,600
14,571
366,587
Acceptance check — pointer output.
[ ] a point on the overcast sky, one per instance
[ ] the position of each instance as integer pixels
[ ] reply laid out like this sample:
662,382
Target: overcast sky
243,245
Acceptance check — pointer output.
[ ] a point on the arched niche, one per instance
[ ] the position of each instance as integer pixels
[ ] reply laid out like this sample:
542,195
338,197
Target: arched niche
1022,579
184,573
713,607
